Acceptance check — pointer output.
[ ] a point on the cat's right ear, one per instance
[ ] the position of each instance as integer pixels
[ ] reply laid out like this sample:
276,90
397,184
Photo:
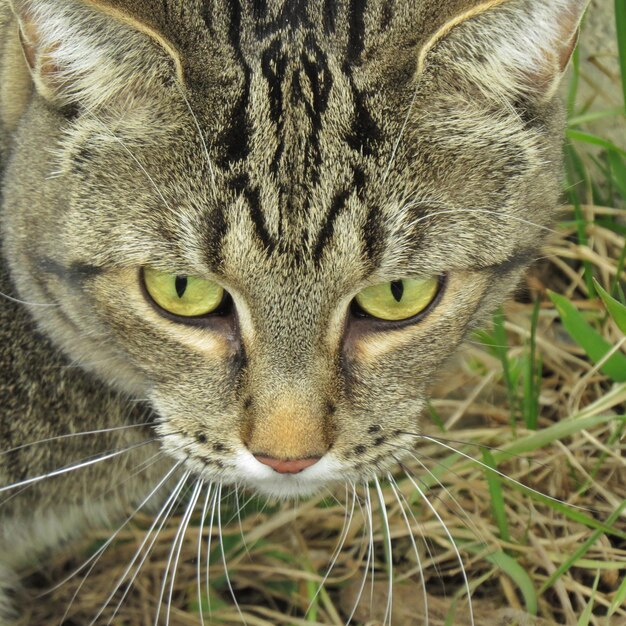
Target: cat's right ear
83,54
512,47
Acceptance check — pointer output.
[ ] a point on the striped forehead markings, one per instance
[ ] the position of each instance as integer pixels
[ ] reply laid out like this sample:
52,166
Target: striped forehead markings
243,187
356,31
305,82
235,138
298,75
293,14
292,73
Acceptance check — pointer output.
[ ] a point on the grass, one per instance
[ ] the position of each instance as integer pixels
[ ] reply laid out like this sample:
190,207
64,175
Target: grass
538,400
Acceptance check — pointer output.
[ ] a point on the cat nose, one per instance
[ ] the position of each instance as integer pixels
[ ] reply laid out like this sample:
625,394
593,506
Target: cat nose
287,466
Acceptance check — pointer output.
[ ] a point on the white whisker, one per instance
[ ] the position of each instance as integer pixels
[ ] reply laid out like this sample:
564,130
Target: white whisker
170,558
37,304
199,555
228,582
452,542
238,513
184,524
396,144
94,558
396,493
216,493
417,524
477,532
498,472
78,466
338,548
332,496
482,446
166,516
138,469
171,506
203,141
383,510
142,467
133,157
163,513
500,216
366,532
70,435
370,516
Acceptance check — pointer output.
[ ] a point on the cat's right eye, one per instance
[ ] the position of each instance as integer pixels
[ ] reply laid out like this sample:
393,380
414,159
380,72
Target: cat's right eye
183,296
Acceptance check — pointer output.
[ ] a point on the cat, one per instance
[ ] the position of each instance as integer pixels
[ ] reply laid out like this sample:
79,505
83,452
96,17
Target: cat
269,221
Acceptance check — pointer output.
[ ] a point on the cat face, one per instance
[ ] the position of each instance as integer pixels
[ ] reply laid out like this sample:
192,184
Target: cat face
285,159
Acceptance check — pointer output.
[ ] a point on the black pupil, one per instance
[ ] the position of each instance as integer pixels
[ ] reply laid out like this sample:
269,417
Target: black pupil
181,285
397,290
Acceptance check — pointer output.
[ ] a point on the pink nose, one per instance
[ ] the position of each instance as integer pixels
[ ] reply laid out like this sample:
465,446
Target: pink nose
286,467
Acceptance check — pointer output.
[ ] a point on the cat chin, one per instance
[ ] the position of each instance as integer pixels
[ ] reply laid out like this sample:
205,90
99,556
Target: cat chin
266,482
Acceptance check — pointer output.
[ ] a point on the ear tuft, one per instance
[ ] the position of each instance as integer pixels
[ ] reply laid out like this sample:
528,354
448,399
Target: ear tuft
39,56
80,56
514,47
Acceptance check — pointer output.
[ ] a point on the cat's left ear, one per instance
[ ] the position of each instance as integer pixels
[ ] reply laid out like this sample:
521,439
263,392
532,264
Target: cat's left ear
513,46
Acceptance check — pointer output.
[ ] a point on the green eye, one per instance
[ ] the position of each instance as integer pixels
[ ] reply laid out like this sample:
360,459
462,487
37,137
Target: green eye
185,296
398,300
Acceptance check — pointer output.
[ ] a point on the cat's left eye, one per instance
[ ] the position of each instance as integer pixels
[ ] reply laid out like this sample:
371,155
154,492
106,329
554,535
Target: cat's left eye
398,300
183,296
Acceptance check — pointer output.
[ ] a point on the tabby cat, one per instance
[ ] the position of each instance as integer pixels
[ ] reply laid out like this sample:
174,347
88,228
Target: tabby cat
269,221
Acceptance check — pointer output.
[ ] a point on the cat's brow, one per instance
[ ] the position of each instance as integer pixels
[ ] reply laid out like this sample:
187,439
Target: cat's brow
516,261
76,272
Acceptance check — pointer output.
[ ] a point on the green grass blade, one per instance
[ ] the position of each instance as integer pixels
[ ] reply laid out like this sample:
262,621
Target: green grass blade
601,196
494,482
501,349
616,309
620,598
519,576
620,20
557,432
582,550
578,135
207,605
313,597
577,175
618,172
435,417
589,339
575,515
594,116
532,376
609,224
615,283
598,564
460,593
572,93
579,186
585,618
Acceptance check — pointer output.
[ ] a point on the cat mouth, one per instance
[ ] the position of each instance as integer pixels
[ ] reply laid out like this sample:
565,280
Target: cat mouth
274,483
